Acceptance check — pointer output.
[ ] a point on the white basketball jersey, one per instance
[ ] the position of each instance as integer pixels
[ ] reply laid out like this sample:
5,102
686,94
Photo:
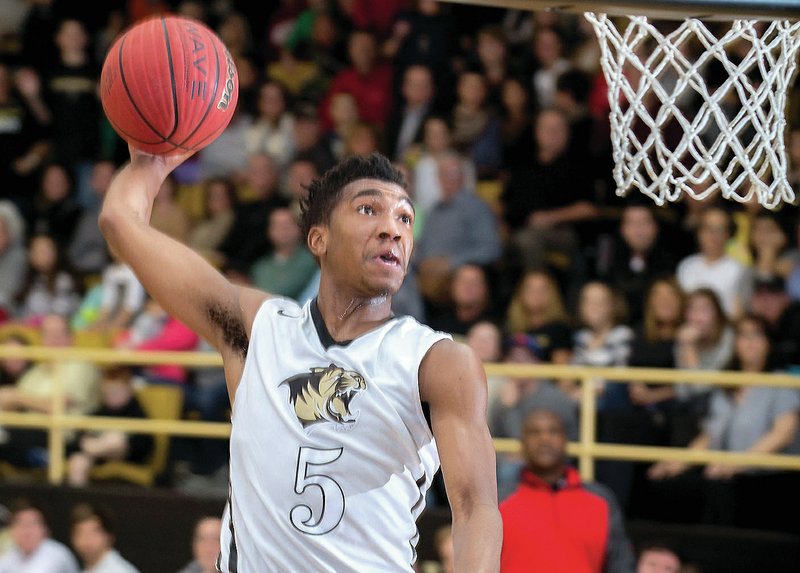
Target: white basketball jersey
331,454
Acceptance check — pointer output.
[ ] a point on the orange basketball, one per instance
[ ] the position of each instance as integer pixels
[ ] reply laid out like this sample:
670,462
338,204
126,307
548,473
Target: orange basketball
169,85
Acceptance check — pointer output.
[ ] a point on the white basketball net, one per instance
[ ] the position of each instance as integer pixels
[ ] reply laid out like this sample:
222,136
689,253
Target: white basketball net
671,133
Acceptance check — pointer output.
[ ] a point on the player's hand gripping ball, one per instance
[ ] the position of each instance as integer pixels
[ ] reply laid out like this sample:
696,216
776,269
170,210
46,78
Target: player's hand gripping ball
169,85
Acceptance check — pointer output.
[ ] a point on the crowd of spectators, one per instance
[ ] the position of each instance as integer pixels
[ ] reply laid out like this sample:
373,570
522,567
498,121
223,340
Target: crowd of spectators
499,120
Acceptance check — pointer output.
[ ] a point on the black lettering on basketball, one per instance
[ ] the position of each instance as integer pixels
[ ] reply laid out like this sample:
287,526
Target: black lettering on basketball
227,91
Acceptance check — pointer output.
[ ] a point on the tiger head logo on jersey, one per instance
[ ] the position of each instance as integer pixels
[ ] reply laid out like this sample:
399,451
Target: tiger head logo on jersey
324,395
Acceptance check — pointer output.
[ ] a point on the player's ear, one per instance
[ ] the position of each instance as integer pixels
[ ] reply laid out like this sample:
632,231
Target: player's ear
318,240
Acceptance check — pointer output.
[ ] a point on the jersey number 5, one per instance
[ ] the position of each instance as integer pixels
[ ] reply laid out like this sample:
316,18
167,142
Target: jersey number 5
310,465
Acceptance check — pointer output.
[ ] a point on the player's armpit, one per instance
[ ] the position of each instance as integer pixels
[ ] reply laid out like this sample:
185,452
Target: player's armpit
453,382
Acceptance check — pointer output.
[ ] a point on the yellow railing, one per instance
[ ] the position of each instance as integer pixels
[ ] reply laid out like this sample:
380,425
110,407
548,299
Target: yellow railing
586,450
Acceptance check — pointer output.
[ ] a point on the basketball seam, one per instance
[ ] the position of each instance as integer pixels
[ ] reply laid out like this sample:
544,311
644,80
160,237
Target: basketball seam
210,101
133,103
175,108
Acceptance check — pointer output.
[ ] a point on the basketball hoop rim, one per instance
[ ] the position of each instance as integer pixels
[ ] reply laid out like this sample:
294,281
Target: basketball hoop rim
660,9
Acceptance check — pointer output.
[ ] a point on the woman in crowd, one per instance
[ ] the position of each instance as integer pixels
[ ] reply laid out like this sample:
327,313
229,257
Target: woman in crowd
537,308
49,285
703,342
745,418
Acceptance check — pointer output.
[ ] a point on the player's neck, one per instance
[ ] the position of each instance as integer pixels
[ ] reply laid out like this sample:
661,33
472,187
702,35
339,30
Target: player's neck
347,316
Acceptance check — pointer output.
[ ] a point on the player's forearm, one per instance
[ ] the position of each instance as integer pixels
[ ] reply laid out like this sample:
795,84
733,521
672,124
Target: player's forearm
132,192
477,539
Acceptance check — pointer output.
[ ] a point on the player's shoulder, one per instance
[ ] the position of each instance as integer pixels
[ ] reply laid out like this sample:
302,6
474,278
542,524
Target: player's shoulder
452,356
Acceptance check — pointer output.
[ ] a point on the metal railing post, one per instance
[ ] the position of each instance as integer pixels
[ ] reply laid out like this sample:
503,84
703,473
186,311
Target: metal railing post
588,416
55,441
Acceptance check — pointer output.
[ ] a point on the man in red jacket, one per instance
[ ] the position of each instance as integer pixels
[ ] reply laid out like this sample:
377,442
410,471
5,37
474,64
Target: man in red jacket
554,521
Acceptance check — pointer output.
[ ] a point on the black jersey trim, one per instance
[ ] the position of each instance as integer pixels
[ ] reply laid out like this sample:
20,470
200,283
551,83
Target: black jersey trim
322,331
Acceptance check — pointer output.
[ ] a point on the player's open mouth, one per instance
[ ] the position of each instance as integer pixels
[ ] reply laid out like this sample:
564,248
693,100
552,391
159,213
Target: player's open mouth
389,258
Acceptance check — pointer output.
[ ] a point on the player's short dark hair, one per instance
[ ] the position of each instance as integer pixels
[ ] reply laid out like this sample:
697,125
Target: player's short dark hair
324,193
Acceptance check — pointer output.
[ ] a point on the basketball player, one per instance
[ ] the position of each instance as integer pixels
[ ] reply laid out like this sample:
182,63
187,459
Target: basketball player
331,454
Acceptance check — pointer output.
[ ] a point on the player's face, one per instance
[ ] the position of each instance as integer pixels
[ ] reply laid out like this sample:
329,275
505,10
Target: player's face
369,240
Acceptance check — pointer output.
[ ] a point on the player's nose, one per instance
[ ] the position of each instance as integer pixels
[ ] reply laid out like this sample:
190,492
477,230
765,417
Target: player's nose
390,228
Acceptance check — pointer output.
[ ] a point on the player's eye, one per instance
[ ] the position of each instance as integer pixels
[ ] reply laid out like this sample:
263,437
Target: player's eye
366,210
407,219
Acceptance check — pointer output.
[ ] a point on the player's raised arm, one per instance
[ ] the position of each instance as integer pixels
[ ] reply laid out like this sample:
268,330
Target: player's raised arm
181,280
453,382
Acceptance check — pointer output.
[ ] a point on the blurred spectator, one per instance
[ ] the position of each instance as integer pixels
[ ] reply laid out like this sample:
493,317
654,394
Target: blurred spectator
54,212
520,396
436,141
362,140
343,112
235,32
658,558
424,35
117,399
272,130
470,302
537,309
71,92
92,531
226,156
299,77
405,124
572,97
33,550
704,341
377,16
771,302
302,171
554,521
168,216
24,133
543,223
753,418
711,266
258,196
368,79
287,270
308,140
49,286
122,297
492,60
460,229
12,369
516,398
219,212
87,251
516,113
603,340
476,125
638,257
33,392
326,49
205,546
155,329
769,245
486,339
13,258
654,345
548,52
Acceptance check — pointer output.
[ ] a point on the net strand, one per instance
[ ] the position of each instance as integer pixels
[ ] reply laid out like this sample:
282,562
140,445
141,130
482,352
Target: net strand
673,133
